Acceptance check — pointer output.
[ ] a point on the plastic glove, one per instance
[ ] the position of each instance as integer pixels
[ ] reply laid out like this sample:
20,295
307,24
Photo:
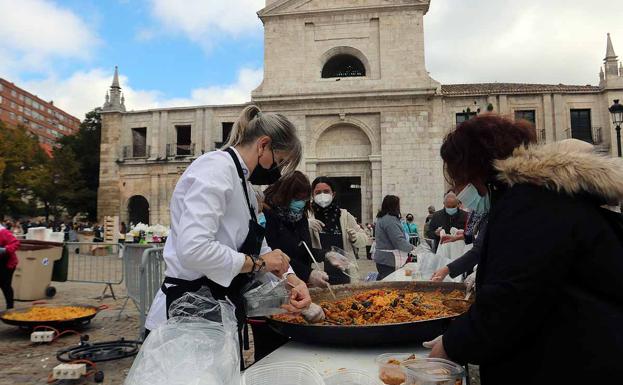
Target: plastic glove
470,281
313,314
2,251
352,235
337,260
431,344
315,224
318,278
440,274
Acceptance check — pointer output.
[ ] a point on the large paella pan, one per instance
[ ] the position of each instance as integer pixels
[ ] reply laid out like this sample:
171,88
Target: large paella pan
381,333
57,316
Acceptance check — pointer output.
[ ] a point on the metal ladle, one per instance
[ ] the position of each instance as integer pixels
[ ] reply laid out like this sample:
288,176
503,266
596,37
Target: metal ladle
459,305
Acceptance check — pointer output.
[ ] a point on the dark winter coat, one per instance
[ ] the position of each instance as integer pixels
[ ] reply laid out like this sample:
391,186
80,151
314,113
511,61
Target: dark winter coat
549,303
287,236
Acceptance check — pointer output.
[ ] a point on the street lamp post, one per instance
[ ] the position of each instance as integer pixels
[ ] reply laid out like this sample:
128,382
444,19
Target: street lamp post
616,110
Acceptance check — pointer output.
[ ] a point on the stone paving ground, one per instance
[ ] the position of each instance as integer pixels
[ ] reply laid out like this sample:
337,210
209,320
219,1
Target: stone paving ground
24,363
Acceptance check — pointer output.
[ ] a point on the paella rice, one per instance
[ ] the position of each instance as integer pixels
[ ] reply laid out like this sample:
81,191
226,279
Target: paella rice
383,306
49,313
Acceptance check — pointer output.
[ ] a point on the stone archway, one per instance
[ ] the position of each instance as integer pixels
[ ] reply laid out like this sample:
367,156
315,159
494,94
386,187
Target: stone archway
342,152
138,210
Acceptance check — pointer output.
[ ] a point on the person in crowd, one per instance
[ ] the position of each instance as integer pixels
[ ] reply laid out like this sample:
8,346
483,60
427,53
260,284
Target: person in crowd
215,240
287,226
431,211
286,205
17,229
331,225
411,229
369,233
451,216
549,288
389,236
8,262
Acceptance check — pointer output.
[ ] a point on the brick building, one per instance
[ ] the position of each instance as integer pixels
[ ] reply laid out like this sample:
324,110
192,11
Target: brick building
43,119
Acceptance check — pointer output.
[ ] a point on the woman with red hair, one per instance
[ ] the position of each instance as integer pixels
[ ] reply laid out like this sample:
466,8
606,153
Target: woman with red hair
549,294
8,262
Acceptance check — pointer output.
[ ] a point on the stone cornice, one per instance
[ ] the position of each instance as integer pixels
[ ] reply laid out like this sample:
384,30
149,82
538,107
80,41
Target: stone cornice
346,95
281,9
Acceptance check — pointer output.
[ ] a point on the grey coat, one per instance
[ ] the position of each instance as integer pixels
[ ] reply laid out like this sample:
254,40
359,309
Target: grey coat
389,235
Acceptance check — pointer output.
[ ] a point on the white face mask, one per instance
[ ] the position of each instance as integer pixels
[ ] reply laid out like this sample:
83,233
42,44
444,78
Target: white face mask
323,200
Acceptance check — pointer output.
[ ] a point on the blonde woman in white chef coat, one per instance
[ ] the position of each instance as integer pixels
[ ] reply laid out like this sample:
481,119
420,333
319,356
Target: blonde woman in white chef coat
215,240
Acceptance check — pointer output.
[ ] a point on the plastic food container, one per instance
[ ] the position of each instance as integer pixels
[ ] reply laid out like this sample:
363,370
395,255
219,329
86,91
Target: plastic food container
350,377
390,370
282,373
433,371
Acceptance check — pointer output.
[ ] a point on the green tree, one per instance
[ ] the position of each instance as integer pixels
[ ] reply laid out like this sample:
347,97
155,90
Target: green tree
20,155
84,148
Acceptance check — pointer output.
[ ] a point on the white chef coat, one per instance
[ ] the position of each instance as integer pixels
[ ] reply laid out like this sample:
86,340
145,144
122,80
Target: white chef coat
209,222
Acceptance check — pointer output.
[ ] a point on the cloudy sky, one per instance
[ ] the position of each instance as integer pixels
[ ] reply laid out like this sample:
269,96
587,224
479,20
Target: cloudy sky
211,51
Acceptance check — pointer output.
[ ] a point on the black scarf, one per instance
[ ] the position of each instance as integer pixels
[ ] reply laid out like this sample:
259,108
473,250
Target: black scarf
330,216
287,215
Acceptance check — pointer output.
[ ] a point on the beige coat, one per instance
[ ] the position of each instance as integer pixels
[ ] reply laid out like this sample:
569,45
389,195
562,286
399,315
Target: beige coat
347,222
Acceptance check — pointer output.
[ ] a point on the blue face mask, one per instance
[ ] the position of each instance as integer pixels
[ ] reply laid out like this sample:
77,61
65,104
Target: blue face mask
261,219
452,211
297,206
474,201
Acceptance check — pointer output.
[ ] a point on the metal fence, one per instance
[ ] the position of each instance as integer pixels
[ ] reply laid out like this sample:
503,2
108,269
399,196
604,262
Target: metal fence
143,273
95,262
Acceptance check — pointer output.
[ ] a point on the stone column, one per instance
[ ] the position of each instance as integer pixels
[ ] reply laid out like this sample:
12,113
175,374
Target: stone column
548,118
377,183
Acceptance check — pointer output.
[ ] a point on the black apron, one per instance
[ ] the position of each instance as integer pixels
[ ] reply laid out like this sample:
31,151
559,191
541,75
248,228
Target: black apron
251,246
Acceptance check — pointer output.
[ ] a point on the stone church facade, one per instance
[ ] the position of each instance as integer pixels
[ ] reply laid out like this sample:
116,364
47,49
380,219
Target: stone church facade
351,76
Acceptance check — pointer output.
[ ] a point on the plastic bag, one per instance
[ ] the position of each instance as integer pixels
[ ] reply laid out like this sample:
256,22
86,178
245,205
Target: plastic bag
198,345
427,261
265,296
347,263
451,250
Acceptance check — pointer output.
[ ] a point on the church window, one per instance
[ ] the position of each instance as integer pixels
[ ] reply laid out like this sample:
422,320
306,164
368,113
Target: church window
139,142
342,66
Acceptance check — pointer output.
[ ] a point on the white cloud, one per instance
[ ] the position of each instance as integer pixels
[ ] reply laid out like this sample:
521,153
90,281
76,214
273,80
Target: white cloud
205,21
554,41
34,31
85,90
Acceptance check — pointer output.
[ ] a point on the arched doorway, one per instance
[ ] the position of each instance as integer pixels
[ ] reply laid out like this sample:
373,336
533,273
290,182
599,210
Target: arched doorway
343,154
138,210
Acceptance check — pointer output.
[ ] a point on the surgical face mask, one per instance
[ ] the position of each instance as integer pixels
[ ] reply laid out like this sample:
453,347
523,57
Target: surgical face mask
451,210
297,206
323,200
261,219
262,176
474,201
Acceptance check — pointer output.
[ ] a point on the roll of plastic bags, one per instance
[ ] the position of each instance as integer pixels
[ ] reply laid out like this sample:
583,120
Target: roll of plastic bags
198,345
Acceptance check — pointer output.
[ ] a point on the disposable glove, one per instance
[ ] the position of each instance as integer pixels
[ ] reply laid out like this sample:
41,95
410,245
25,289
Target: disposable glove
337,260
313,314
318,278
315,225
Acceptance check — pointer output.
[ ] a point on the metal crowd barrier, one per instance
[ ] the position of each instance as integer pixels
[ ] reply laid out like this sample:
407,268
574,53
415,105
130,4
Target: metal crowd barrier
95,262
144,272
